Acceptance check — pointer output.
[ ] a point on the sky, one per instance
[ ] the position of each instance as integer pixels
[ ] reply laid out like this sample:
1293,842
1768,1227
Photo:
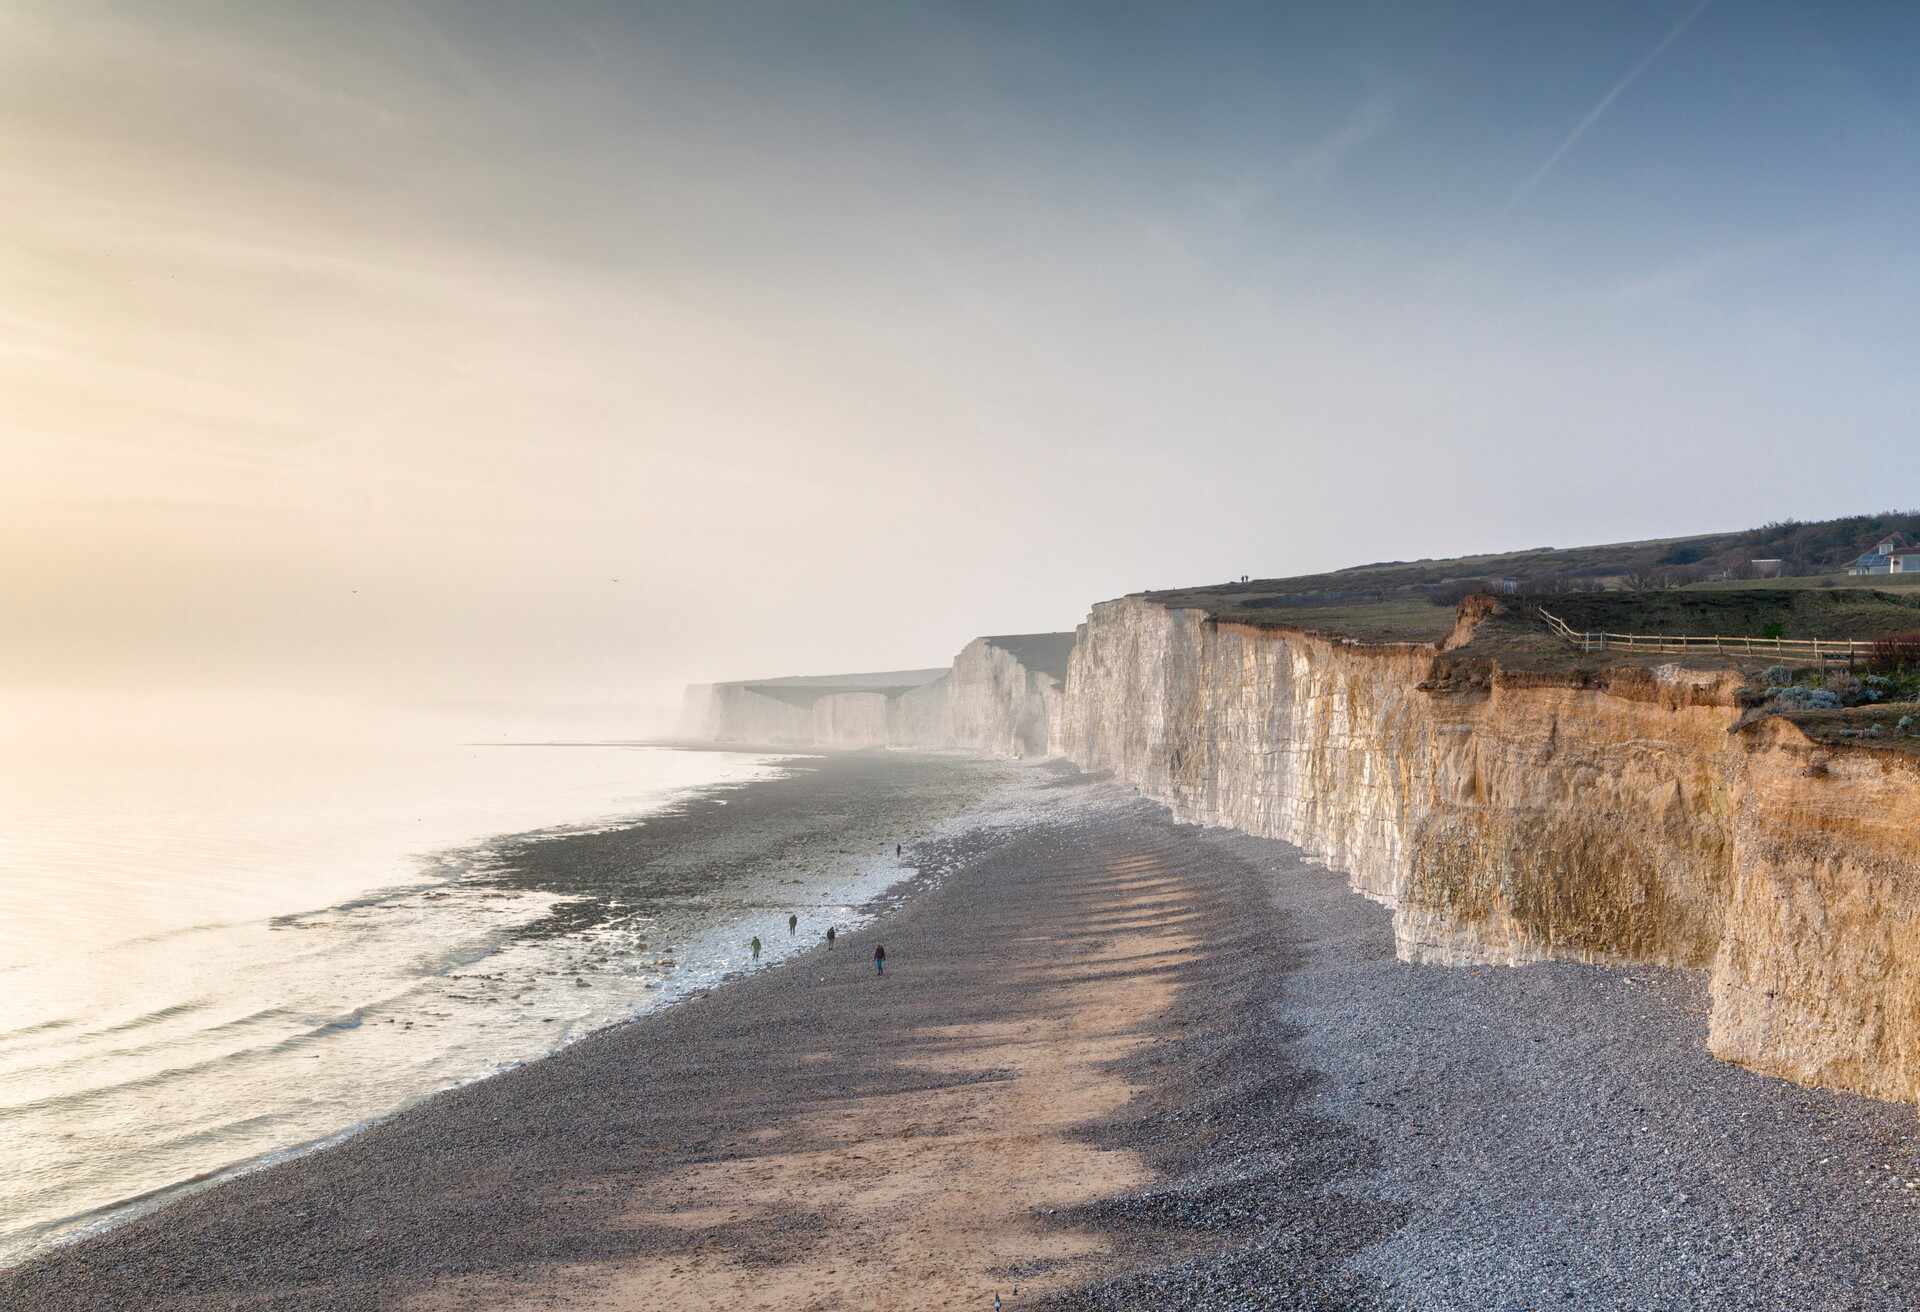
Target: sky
546,356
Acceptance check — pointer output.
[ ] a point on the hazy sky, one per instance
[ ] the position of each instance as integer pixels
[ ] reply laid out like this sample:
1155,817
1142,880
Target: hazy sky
555,353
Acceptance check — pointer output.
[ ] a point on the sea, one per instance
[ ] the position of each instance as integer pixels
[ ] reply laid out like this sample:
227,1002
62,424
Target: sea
214,955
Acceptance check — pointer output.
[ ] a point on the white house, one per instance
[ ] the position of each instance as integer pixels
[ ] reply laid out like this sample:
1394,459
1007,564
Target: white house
1881,559
1903,562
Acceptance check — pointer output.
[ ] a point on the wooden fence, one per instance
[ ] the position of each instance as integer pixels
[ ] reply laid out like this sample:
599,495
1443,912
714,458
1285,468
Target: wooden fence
1814,650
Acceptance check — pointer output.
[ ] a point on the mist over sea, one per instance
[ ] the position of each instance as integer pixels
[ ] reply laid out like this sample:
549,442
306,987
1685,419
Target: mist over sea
213,951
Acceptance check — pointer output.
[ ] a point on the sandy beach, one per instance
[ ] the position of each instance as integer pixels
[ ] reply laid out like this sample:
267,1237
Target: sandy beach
1115,1063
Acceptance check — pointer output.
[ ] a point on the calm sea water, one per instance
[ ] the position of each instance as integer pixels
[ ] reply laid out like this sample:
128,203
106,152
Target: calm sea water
213,955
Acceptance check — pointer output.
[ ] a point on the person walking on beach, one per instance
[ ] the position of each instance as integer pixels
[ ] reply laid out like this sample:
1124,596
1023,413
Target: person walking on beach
793,923
756,947
896,851
879,959
829,938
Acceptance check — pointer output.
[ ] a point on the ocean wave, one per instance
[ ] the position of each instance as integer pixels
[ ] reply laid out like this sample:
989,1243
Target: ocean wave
81,1099
146,1019
42,1027
92,1055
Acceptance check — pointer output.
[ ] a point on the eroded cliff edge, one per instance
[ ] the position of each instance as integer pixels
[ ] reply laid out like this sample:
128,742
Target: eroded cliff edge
1509,815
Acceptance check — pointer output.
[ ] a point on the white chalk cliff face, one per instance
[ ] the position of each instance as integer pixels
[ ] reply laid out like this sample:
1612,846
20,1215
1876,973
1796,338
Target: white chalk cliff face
1504,816
922,717
1001,698
1509,818
740,713
1000,705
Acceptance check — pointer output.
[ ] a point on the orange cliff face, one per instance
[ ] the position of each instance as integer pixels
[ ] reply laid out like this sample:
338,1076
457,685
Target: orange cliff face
1817,976
1512,817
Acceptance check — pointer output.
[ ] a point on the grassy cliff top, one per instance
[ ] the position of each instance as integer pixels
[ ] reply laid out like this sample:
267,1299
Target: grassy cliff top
1803,549
1661,585
1750,612
1519,639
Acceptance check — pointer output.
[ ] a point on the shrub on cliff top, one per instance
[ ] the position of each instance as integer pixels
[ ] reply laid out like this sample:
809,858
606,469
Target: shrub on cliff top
1797,698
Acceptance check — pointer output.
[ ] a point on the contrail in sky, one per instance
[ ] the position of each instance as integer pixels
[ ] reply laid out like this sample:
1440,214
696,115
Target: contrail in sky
1521,192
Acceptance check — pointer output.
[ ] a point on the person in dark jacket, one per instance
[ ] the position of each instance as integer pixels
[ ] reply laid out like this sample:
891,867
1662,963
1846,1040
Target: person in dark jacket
793,923
879,959
756,947
829,938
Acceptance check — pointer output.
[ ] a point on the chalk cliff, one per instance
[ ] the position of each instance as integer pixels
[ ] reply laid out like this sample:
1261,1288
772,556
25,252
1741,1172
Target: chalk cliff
1817,975
1509,816
1505,812
1005,693
1002,697
834,710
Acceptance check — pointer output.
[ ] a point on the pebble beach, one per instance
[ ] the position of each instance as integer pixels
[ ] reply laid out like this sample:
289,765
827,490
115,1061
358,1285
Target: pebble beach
1114,1063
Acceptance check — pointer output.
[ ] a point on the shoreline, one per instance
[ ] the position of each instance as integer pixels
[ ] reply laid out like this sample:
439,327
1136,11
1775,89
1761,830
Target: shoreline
1208,1032
290,1218
537,861
191,1003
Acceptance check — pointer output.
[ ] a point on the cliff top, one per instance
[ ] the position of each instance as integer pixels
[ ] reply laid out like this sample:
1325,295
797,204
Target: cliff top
1510,630
1791,548
1043,653
1745,612
804,690
1680,586
1414,600
877,681
1517,637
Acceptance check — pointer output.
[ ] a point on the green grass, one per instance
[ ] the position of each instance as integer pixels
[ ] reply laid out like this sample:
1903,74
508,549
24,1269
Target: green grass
1519,639
1879,582
1395,600
1397,619
1743,612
